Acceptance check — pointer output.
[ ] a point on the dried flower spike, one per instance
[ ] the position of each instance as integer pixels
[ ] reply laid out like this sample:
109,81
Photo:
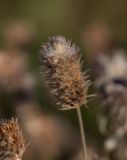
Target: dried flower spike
62,68
12,143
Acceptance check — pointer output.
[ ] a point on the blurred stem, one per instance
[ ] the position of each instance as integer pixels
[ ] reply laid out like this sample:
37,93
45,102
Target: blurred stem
82,132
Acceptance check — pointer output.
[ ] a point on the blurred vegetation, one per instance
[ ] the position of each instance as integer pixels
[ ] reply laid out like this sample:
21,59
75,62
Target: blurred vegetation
68,18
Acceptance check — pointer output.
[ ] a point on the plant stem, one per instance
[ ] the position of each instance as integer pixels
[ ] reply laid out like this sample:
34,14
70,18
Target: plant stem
82,132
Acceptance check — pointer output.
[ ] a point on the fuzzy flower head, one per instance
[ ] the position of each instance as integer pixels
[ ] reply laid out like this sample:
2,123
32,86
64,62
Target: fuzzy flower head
11,140
62,68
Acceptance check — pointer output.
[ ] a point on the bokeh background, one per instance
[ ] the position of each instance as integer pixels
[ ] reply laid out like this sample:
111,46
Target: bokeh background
41,19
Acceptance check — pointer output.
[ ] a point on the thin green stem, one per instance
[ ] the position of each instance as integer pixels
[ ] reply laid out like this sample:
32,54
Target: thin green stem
82,132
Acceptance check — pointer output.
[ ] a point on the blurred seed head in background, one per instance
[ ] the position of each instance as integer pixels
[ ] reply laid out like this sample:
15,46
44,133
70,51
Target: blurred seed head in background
109,69
50,136
18,34
97,38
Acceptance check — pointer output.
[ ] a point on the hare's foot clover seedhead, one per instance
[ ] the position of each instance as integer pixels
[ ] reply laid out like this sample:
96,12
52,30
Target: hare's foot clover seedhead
61,67
12,143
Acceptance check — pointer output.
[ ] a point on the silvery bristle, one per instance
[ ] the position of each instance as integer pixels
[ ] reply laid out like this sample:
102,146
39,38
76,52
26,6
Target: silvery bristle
61,66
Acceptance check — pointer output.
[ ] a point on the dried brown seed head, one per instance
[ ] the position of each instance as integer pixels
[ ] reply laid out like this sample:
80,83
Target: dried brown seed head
62,69
12,143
